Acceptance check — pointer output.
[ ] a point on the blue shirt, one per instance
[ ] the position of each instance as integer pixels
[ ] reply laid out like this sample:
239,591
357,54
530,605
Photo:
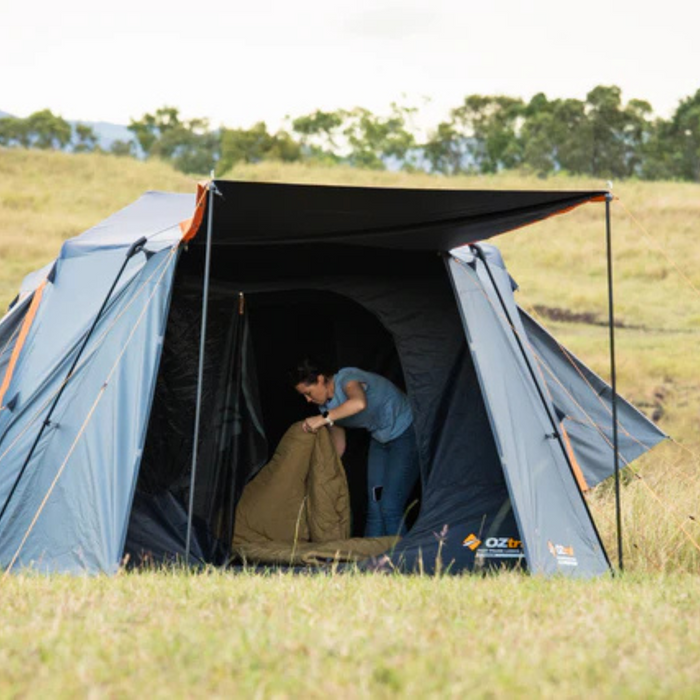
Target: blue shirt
388,413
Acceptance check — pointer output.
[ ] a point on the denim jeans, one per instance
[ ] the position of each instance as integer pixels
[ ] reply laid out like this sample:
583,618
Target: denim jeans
392,472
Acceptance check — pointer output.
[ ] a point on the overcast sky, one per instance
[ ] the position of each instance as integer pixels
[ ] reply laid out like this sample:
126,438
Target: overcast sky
239,62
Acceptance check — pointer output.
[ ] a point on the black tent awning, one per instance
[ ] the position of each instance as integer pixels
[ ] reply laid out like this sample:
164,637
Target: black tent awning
256,213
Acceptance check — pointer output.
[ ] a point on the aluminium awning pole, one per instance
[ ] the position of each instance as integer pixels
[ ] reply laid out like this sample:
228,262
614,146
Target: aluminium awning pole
613,374
200,373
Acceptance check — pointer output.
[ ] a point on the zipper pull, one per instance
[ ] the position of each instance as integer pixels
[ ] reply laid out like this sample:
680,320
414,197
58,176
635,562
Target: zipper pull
241,303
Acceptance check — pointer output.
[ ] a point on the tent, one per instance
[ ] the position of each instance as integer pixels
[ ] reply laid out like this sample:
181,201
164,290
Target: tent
177,317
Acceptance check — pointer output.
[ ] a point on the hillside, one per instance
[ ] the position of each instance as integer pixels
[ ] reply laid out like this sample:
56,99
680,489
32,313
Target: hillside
560,265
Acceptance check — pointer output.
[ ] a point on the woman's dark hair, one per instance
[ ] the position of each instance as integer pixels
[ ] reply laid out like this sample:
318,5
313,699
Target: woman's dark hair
307,370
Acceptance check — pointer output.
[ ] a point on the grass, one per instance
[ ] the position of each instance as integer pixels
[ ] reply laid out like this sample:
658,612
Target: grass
163,635
169,633
47,197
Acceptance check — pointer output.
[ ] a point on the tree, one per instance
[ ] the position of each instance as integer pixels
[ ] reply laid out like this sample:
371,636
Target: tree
446,150
47,130
481,135
539,136
151,127
320,134
357,137
490,123
617,133
189,144
254,145
639,129
191,152
607,148
374,141
664,153
598,137
42,129
555,135
122,148
676,149
86,139
14,132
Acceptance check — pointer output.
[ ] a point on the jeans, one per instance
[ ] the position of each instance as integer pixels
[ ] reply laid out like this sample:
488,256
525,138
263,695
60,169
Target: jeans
392,472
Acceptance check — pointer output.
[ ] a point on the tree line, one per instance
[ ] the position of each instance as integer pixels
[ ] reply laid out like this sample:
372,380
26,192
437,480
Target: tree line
600,136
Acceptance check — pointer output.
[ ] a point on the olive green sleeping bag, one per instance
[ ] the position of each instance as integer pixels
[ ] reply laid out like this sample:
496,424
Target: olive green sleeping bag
297,509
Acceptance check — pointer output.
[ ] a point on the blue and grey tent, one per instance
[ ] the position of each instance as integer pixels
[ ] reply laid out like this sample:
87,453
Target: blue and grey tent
113,389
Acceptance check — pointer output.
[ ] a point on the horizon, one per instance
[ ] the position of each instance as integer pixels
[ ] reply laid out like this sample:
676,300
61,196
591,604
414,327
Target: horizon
420,110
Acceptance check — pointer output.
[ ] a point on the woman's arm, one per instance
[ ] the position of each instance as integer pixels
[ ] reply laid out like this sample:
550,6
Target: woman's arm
356,402
338,438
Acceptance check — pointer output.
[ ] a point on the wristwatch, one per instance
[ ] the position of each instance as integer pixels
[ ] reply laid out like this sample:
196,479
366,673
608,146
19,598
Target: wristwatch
325,415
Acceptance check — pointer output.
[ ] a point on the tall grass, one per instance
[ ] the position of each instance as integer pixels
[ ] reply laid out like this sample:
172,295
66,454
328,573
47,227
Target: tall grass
560,265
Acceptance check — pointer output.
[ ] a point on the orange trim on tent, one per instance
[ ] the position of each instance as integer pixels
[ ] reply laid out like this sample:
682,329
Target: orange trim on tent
578,473
190,226
24,332
597,198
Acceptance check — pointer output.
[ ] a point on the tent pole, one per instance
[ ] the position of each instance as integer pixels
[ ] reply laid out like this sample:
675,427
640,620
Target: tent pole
613,373
134,248
200,373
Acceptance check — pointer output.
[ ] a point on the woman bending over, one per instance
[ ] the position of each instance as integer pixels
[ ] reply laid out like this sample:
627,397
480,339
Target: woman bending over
354,398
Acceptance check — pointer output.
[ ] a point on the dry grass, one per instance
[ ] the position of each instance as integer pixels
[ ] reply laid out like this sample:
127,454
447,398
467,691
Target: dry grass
353,636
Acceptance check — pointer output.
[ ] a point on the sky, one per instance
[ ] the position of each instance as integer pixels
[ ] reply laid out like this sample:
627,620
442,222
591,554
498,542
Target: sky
237,63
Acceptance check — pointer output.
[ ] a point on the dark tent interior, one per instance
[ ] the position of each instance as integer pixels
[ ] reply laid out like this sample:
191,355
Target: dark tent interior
387,311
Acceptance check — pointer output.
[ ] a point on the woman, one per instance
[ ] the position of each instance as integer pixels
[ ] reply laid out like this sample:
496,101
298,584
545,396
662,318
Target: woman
353,398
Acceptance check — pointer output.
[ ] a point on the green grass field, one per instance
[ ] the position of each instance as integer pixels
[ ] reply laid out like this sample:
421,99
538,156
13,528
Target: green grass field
176,634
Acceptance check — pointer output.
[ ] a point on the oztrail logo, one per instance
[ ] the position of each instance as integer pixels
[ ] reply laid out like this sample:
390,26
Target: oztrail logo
563,555
559,550
471,541
499,548
503,543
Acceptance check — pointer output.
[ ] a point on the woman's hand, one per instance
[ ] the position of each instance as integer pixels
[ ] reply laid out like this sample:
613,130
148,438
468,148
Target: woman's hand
314,424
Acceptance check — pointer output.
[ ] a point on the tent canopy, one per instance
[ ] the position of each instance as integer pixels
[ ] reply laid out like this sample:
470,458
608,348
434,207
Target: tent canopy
258,213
